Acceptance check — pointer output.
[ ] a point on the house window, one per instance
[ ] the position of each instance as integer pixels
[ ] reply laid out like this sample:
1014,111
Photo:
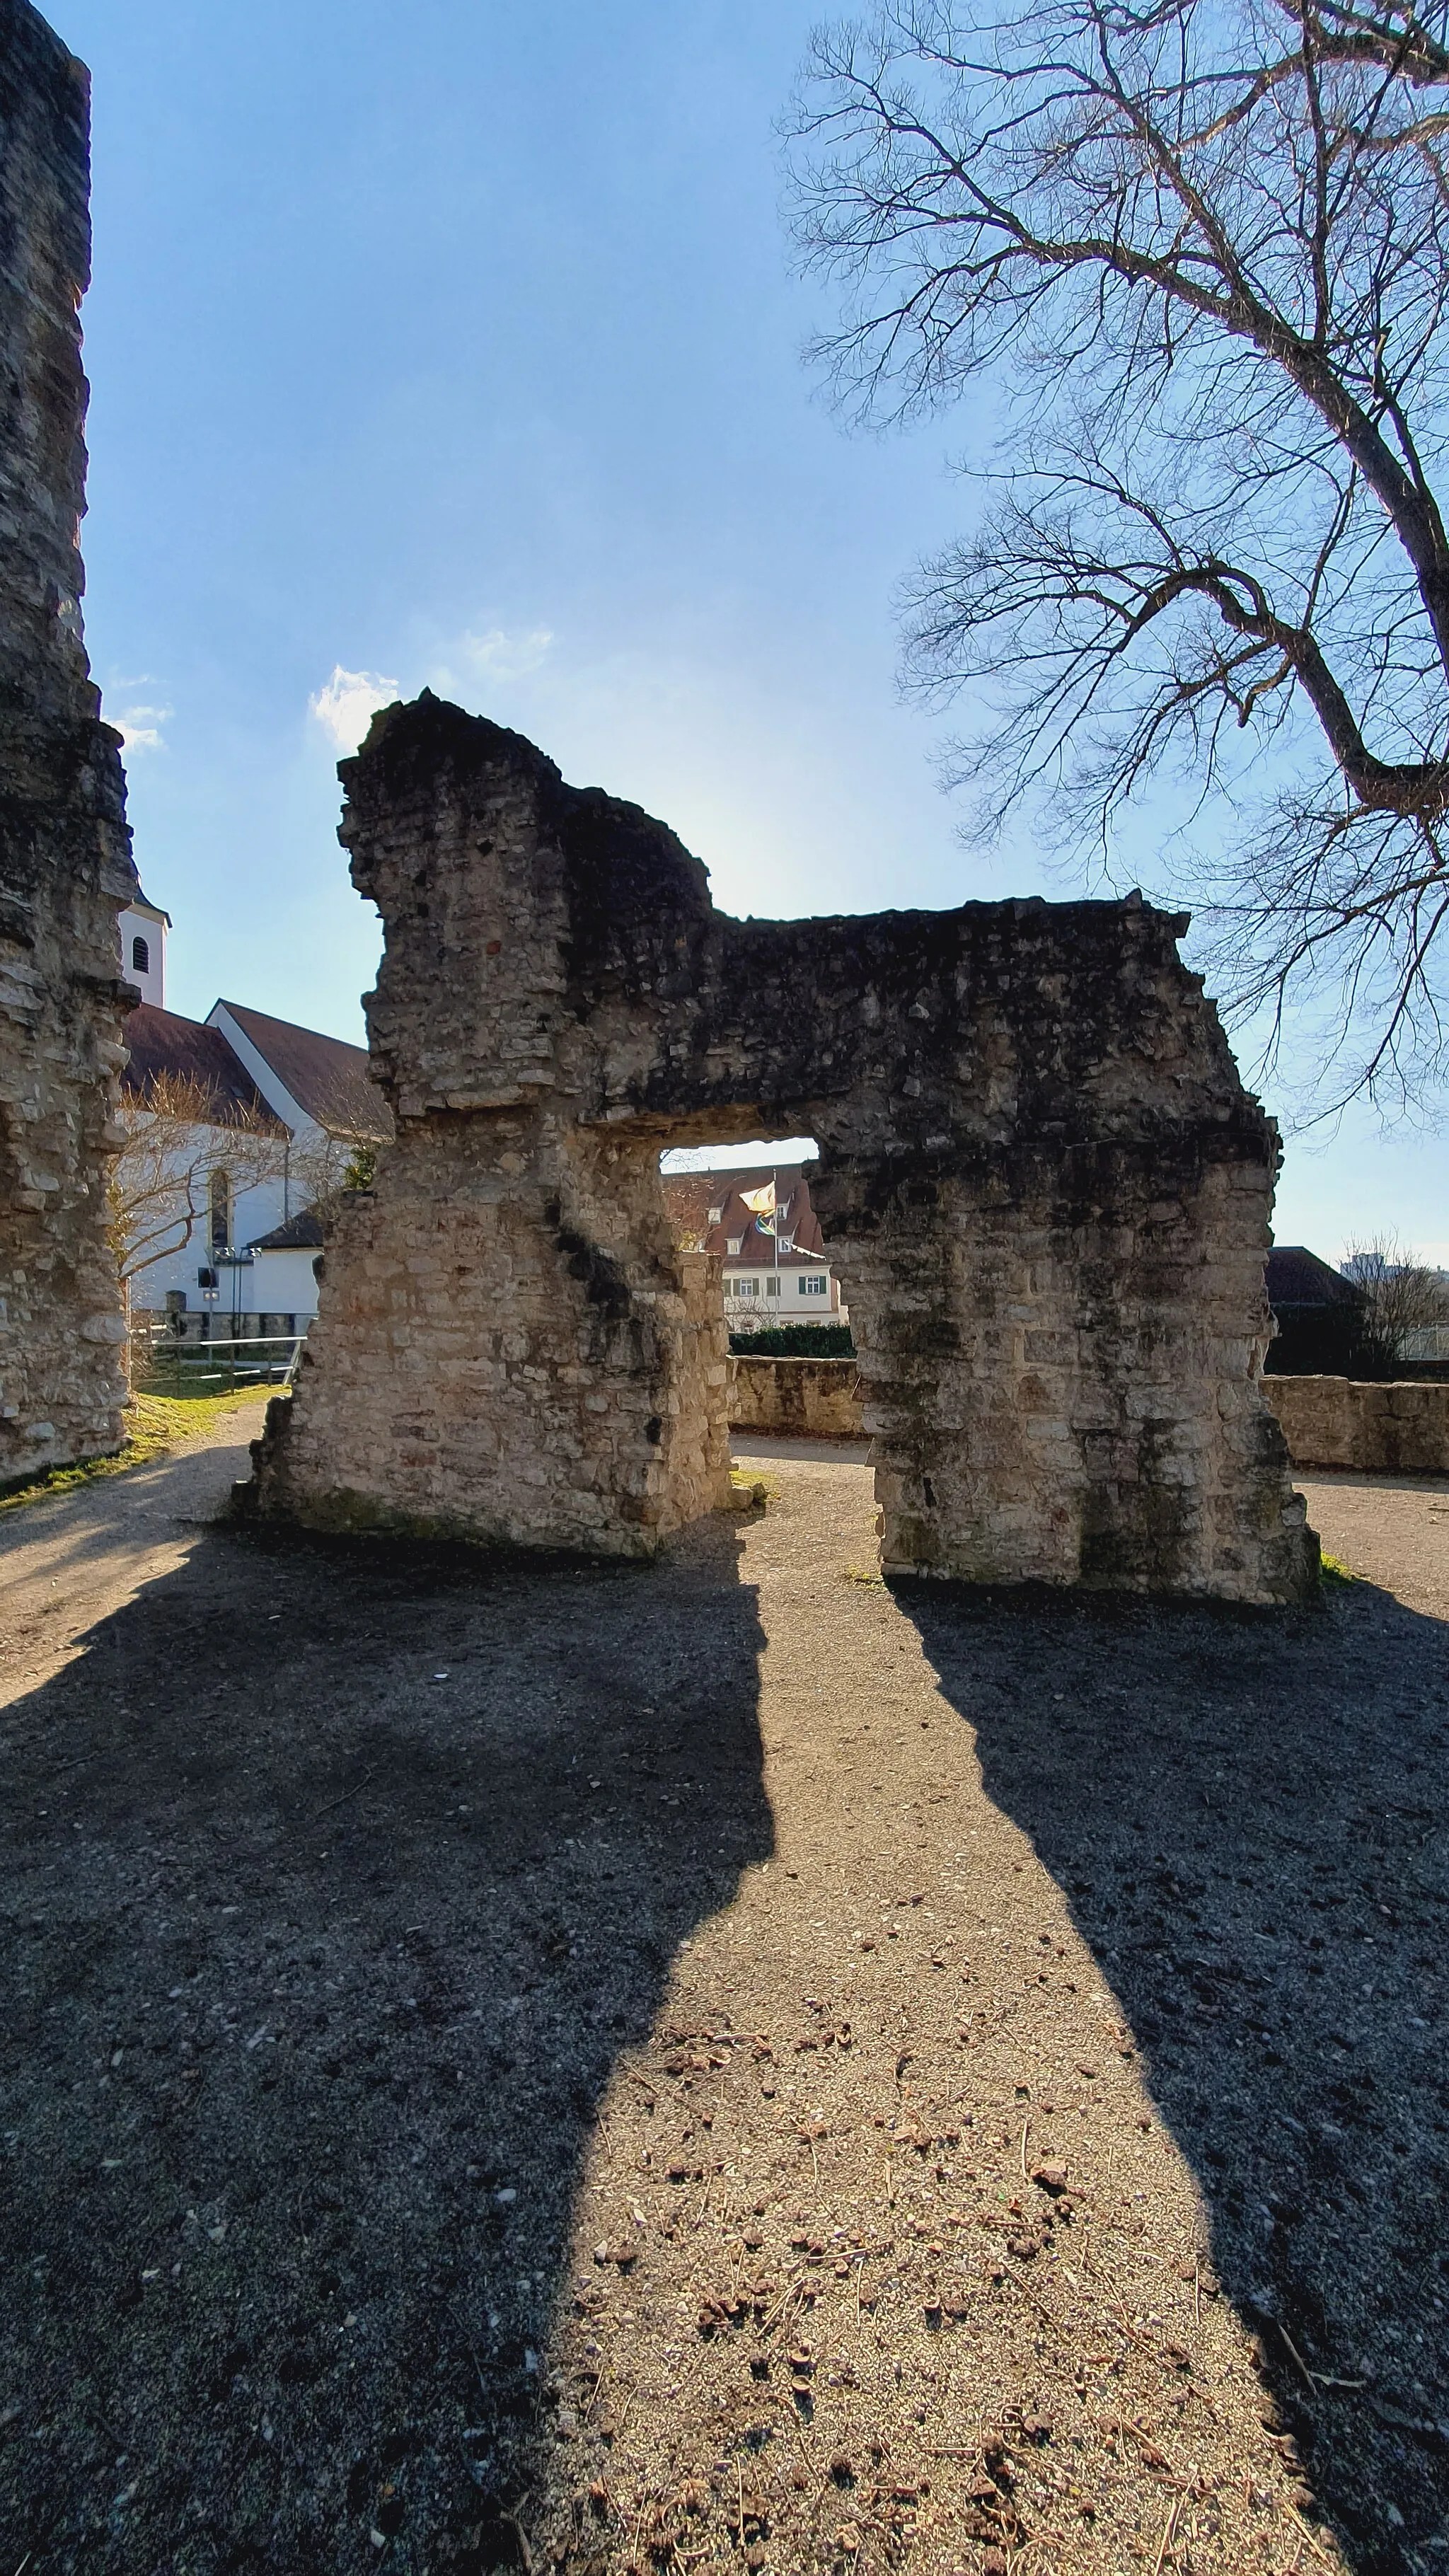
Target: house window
715,1214
772,1284
140,956
745,1287
813,1283
204,1279
220,1226
733,1246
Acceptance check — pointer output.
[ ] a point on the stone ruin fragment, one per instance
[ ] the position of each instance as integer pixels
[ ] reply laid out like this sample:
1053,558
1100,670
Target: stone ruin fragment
1042,1182
65,863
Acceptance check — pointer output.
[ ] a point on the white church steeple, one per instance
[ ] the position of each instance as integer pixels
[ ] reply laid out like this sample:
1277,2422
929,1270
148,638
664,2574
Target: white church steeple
143,927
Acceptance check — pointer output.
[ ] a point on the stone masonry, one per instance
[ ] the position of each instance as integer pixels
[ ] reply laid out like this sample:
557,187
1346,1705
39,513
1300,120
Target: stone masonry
796,1399
1398,1427
1042,1182
65,864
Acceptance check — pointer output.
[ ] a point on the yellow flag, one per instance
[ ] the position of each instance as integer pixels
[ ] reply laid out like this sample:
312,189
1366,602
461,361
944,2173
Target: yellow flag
760,1202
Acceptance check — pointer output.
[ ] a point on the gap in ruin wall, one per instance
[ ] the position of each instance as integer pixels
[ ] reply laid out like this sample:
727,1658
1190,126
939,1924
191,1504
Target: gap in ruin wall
65,863
1045,1189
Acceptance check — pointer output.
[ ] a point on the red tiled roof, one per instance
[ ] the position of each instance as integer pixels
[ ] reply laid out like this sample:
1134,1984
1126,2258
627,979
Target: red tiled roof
162,1043
689,1197
326,1077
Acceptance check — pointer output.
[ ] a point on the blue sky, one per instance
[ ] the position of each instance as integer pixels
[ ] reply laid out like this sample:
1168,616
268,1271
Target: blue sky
459,343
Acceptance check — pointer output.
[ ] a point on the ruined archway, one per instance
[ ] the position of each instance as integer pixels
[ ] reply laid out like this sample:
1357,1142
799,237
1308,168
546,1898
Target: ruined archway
1038,1168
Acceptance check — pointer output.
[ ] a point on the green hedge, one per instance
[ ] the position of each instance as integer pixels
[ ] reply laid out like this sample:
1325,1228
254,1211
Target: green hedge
795,1342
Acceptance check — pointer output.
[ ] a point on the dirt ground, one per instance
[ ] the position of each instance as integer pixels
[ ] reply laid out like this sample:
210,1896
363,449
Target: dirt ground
723,2066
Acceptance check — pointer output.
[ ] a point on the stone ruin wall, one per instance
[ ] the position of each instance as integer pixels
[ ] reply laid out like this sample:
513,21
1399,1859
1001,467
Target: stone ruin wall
796,1399
1381,1427
65,864
1042,1182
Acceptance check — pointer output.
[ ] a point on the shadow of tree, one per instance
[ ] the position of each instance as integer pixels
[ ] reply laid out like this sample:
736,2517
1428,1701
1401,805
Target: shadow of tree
334,1885
1247,1818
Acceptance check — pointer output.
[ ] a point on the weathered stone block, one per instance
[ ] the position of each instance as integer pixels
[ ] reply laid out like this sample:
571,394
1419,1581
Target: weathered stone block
1396,1428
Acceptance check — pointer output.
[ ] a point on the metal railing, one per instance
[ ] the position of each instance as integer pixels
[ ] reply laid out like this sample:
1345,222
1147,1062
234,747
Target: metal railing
181,1366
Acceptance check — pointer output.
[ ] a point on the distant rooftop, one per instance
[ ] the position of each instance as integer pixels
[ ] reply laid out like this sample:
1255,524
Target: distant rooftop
326,1077
301,1233
162,1044
692,1199
1297,1277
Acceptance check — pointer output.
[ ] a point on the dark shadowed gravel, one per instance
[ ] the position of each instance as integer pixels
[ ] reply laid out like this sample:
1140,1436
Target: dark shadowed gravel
722,2066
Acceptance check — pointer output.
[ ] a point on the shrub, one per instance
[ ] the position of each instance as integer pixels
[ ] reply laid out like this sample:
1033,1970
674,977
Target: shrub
795,1342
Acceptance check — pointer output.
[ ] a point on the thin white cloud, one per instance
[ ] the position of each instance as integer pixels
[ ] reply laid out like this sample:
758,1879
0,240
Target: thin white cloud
489,657
137,721
346,706
497,655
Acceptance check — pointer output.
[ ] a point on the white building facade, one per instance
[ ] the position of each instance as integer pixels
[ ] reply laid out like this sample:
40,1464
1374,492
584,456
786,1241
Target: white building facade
236,1240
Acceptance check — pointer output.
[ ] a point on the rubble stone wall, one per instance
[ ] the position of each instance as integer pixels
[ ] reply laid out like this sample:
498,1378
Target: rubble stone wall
1043,1185
65,864
1397,1428
791,1399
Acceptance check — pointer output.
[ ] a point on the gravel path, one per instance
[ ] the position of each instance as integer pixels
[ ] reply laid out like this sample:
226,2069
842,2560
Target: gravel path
728,2065
67,1559
1392,1529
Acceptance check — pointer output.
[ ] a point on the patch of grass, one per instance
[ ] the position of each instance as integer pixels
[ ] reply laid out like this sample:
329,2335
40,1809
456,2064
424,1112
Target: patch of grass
870,1574
196,1383
153,1423
1335,1571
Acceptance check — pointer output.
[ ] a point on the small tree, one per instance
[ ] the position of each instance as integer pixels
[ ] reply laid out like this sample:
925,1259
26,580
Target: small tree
1401,1295
178,1136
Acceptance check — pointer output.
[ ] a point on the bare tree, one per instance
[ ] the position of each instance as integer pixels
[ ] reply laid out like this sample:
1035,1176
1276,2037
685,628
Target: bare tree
323,1167
1401,1295
178,1137
1201,247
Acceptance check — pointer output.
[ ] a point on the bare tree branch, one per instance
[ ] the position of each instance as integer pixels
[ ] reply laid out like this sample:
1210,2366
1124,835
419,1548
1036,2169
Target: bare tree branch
177,1136
1401,1295
1207,250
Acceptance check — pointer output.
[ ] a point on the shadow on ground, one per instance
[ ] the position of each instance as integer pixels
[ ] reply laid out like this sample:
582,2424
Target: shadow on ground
334,1884
1248,1819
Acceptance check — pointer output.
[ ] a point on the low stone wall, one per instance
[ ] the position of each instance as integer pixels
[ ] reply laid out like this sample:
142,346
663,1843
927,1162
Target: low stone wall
816,1399
1401,1428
